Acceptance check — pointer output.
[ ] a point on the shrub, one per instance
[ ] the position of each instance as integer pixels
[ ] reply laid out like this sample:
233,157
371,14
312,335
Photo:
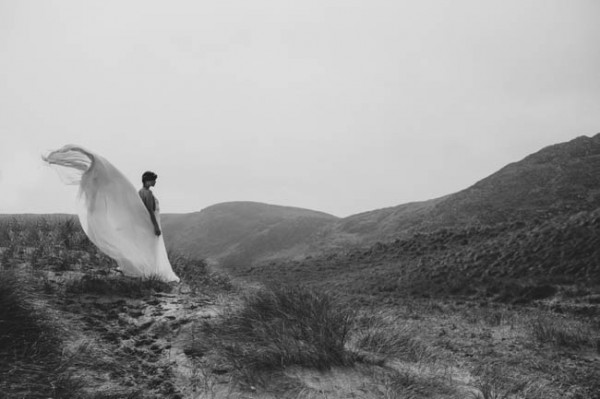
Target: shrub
285,326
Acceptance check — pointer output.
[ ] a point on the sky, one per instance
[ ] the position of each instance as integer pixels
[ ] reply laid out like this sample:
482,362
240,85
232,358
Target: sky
339,106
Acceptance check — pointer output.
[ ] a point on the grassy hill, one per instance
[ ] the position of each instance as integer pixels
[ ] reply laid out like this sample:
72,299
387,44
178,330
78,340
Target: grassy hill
515,262
559,179
562,179
529,231
238,233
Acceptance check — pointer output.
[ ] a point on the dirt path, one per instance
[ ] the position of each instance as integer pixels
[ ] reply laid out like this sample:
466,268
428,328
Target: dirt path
128,347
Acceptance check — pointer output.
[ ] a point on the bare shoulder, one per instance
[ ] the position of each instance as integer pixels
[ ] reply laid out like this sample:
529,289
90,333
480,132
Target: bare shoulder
145,193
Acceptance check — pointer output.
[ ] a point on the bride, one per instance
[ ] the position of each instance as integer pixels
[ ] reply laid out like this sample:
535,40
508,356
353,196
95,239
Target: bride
113,215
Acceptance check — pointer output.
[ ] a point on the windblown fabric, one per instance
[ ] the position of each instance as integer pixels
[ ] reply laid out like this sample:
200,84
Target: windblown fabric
112,214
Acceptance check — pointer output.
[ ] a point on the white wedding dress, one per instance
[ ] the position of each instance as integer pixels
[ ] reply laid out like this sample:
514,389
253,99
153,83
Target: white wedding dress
112,214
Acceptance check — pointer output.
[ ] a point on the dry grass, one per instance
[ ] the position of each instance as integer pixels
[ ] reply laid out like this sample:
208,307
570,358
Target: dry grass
277,328
563,332
31,363
94,284
390,337
197,274
403,349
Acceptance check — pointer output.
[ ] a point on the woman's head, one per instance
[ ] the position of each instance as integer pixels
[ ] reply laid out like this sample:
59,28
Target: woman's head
149,177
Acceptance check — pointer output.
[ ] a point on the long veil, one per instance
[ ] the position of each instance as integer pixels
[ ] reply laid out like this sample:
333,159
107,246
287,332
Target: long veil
112,214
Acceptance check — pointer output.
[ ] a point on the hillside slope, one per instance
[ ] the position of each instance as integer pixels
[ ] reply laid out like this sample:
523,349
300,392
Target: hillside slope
559,179
509,262
241,232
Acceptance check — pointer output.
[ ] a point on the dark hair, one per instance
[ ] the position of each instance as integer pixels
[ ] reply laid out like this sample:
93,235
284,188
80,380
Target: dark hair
149,176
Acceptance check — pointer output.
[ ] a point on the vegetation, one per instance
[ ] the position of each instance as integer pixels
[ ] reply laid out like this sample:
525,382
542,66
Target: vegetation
519,262
280,327
65,322
387,336
73,324
95,284
31,362
563,332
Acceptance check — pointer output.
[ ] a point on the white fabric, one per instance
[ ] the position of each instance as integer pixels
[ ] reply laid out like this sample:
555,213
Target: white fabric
112,214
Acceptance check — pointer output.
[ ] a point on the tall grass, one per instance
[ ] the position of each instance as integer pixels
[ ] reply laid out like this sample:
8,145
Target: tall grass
389,337
561,332
284,326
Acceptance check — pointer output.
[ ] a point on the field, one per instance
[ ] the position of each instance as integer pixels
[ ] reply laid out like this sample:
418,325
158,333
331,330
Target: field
73,327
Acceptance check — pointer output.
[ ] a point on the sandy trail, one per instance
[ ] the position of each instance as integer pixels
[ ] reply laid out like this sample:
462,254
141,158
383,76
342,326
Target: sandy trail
131,346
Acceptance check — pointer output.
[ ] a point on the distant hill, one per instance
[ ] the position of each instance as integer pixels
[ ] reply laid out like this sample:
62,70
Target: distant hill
238,233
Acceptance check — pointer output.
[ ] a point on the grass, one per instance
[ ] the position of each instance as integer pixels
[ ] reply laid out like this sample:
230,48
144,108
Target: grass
45,351
280,327
560,332
30,345
417,345
389,337
404,384
119,285
494,383
197,274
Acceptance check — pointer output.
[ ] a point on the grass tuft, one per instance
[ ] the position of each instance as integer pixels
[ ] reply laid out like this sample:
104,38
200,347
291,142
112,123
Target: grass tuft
391,338
563,333
283,327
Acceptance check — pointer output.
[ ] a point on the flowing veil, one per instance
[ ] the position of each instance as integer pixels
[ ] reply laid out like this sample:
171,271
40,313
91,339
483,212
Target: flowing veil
112,214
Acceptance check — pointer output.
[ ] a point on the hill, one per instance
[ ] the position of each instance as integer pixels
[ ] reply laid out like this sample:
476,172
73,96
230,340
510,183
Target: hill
242,232
515,262
562,179
557,180
530,231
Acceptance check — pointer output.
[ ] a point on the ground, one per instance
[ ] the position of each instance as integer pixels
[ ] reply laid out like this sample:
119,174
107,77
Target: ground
122,337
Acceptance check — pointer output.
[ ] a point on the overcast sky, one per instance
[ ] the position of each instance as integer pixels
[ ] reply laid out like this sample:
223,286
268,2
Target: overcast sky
338,106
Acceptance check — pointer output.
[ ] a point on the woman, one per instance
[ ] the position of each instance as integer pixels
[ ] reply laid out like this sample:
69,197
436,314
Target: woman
112,215
148,198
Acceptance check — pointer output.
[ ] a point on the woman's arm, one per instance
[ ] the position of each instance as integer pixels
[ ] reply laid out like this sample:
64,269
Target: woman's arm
150,203
155,223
